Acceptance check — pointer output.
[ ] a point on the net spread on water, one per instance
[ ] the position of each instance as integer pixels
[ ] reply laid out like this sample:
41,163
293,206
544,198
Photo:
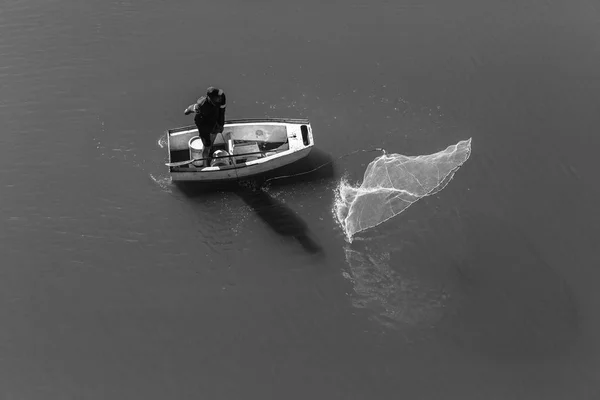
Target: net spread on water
392,182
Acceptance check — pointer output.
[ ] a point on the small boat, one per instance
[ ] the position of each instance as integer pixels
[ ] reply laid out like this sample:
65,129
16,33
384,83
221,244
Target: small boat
245,148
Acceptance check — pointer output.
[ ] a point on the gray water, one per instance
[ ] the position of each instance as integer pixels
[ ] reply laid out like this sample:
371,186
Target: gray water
117,284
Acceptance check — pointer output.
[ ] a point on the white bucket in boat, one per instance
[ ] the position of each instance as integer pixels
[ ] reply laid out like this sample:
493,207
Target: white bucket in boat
196,148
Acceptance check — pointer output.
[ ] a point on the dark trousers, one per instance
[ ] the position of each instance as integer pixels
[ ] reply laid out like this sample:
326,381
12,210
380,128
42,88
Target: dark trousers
208,137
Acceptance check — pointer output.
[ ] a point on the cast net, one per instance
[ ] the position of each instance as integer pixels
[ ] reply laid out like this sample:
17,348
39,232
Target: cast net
392,182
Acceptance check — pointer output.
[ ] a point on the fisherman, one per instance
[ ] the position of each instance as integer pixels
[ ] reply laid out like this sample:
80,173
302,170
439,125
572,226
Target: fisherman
209,118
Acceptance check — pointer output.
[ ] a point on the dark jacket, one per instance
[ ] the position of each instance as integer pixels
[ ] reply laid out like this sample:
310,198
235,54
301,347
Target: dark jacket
210,116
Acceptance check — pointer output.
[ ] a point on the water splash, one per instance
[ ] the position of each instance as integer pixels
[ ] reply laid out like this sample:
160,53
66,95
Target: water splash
163,182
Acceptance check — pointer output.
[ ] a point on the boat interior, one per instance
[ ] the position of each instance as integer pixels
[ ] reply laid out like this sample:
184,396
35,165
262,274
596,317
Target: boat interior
236,145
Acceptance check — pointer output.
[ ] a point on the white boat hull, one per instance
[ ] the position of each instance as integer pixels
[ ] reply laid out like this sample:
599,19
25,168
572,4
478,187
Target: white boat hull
207,175
297,134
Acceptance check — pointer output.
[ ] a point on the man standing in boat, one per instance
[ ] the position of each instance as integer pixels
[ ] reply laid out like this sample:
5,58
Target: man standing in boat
209,118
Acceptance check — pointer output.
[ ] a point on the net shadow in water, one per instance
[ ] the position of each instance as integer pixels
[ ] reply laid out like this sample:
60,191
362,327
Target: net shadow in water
474,280
397,290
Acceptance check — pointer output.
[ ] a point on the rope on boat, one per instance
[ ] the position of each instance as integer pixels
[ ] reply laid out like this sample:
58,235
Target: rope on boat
327,163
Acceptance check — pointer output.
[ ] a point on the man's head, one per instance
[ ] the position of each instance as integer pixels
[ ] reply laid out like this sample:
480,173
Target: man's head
214,95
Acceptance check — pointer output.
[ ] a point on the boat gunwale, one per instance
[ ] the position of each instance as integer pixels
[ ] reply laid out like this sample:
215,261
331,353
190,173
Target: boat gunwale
245,164
210,174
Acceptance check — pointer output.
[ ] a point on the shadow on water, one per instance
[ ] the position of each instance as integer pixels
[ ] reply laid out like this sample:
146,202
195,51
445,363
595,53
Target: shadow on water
274,213
279,217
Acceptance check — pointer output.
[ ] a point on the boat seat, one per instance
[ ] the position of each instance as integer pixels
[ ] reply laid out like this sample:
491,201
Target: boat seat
241,152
